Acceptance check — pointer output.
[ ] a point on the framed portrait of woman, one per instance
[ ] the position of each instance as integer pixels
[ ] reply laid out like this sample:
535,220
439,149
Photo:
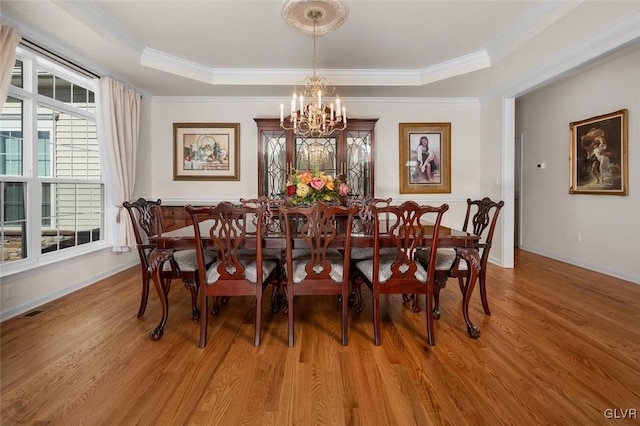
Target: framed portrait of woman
425,158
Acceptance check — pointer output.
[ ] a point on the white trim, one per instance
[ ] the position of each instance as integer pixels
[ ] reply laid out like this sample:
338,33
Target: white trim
278,99
587,51
533,23
349,77
31,100
508,174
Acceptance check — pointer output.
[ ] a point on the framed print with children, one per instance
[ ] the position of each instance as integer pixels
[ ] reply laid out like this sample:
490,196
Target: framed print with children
206,151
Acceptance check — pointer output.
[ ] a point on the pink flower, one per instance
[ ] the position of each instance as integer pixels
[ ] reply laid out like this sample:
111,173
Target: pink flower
344,189
317,183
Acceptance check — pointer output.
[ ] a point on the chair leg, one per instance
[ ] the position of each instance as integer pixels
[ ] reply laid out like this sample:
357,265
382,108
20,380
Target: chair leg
357,293
482,278
256,338
203,320
145,295
192,286
376,319
436,302
276,296
440,283
290,314
345,306
215,308
430,334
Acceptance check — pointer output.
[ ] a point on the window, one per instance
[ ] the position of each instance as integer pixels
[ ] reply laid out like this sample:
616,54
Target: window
50,176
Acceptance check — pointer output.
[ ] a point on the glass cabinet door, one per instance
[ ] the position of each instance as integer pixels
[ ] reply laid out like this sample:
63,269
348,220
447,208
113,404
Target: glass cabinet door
347,154
274,170
357,166
317,154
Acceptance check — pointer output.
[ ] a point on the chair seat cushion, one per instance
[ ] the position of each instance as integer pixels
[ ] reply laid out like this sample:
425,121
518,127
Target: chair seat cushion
299,265
187,260
366,267
444,258
250,271
362,253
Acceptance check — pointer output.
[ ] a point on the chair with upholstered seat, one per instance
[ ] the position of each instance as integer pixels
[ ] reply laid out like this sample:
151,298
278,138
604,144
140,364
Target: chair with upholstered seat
399,272
271,225
364,223
481,219
313,265
146,218
235,273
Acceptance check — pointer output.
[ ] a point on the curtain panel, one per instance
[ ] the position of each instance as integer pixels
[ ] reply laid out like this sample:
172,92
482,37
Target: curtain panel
9,39
119,129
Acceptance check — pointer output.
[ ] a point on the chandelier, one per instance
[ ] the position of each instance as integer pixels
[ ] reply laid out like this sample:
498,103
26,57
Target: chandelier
311,112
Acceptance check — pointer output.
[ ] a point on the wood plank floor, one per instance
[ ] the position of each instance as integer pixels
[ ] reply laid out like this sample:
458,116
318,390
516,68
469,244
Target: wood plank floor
561,347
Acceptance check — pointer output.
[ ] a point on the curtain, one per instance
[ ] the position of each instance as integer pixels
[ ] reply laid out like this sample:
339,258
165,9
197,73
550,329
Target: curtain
118,128
9,39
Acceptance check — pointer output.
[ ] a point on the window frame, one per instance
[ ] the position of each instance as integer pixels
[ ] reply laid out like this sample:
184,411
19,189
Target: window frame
31,99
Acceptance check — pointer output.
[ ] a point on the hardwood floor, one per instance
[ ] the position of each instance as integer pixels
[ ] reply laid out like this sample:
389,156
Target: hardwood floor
562,346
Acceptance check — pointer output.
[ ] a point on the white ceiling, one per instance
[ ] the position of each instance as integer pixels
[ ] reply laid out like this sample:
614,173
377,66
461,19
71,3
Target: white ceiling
386,48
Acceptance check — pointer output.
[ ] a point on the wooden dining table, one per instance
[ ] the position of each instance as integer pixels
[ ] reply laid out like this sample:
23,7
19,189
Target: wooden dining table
167,243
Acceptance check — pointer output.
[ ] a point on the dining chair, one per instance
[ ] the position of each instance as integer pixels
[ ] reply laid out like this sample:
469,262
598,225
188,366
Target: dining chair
146,219
481,219
272,224
411,226
364,223
223,227
314,266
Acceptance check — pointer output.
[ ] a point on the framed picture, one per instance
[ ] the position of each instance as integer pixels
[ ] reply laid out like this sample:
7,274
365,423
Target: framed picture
599,155
206,151
425,158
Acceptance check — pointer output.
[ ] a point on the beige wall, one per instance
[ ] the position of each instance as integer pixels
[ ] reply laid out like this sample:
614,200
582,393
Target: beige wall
464,115
552,219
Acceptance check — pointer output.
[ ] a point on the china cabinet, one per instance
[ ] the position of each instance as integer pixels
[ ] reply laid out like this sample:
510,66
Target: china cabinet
347,154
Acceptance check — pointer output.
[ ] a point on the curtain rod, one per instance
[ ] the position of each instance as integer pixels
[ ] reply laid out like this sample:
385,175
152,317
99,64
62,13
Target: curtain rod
37,48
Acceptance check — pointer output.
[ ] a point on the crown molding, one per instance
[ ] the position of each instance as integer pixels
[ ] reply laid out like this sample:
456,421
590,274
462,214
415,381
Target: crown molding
272,100
535,22
85,12
615,37
462,65
234,76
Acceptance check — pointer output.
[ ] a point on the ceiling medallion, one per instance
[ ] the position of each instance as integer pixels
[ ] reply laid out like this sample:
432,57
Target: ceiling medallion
296,13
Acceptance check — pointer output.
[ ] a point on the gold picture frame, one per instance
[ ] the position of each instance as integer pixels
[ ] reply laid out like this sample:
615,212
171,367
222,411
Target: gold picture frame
206,151
425,166
598,157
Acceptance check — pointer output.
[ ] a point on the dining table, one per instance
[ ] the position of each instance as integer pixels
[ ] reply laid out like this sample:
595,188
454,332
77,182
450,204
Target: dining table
167,243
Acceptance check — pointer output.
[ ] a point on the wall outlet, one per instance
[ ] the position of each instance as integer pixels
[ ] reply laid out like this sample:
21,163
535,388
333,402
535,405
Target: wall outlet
578,237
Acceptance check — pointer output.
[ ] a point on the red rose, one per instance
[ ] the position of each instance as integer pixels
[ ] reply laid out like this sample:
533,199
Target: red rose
291,190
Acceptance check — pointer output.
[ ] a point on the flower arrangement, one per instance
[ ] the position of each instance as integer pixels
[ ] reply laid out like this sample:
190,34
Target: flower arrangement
307,187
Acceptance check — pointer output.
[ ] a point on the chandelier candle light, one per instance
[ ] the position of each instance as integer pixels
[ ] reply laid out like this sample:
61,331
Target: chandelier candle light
309,116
